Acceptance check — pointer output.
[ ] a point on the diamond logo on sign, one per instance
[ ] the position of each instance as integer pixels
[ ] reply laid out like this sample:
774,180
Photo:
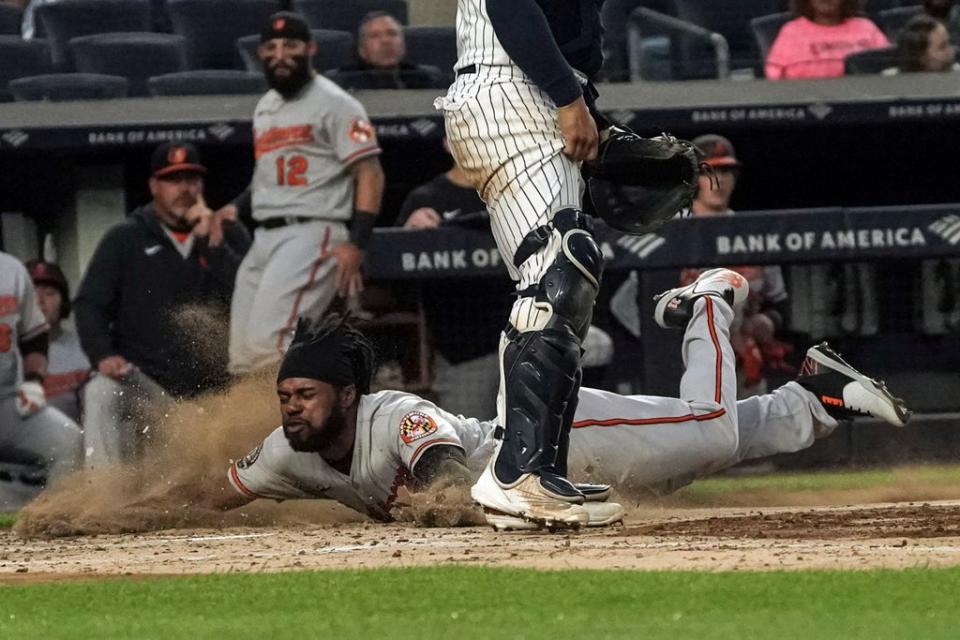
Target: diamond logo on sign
820,110
15,138
221,131
641,246
624,116
948,228
423,126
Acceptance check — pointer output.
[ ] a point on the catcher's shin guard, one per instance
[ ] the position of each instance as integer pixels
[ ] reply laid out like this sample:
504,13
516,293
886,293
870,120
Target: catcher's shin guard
541,361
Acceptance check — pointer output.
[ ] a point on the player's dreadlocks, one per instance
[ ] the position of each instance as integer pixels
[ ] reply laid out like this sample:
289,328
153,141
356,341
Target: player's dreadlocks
333,350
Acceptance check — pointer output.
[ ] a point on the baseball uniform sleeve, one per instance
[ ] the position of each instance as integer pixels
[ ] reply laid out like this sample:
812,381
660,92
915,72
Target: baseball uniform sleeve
265,473
419,427
351,132
32,323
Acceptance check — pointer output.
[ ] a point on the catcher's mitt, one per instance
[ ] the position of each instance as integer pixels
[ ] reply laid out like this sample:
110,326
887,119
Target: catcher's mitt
637,183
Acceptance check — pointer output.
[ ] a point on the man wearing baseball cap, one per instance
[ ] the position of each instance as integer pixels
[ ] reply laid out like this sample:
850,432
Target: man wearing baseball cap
714,198
169,255
68,367
757,323
314,197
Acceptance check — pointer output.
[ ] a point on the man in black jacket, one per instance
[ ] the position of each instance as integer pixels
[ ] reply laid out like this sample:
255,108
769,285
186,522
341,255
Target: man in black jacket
170,256
382,52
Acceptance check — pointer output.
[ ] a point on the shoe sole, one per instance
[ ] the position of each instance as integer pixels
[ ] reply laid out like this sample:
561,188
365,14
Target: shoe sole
664,298
505,522
501,521
876,387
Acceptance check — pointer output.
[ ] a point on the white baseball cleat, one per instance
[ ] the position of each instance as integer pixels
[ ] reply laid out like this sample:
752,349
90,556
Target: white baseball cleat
845,392
601,514
675,306
526,499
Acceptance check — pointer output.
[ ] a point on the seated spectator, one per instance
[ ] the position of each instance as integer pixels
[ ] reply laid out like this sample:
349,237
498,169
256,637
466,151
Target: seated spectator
68,368
923,45
947,12
814,44
754,330
382,49
170,255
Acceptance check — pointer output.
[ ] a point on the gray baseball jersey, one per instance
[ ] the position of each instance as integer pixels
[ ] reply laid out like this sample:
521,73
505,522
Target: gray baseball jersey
394,429
303,148
46,437
20,319
635,442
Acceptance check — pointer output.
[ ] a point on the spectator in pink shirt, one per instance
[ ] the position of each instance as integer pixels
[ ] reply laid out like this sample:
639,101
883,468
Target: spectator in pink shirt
814,44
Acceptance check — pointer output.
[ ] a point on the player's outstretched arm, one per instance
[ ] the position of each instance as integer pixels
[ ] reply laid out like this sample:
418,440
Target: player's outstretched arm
443,462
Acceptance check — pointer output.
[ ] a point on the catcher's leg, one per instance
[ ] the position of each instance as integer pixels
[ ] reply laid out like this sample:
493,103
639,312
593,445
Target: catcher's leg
541,371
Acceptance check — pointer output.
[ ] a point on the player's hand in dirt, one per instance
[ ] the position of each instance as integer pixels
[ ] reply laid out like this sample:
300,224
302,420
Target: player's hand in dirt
348,279
423,218
114,367
579,131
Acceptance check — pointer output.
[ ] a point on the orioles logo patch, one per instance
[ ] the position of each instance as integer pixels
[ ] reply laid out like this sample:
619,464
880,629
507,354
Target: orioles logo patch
416,425
177,155
361,131
250,458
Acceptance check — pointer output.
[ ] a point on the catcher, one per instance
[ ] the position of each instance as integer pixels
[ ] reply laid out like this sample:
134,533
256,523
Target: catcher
521,122
338,441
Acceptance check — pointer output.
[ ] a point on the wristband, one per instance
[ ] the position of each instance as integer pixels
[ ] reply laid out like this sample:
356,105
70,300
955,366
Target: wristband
361,227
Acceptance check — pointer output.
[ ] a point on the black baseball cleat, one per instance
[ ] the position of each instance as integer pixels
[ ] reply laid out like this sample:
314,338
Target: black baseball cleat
675,306
594,492
845,392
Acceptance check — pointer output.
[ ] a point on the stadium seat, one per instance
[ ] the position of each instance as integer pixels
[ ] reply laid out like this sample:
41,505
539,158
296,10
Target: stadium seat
345,15
10,20
892,20
335,49
20,58
433,46
870,62
614,14
68,19
207,82
731,19
766,28
134,56
69,86
212,27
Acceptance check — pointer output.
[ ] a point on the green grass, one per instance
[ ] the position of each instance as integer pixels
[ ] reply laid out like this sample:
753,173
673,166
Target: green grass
473,602
826,480
7,520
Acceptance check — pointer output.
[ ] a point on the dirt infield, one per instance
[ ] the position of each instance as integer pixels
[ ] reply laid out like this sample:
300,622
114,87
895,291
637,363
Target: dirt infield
852,537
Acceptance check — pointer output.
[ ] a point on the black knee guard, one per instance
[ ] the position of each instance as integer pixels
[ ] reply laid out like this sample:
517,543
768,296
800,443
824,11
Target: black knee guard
541,363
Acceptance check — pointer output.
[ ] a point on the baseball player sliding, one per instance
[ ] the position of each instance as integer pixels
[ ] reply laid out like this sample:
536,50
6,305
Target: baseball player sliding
31,433
340,442
315,197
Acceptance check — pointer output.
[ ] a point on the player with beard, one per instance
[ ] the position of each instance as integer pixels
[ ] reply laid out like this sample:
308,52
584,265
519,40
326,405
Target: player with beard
168,254
314,198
